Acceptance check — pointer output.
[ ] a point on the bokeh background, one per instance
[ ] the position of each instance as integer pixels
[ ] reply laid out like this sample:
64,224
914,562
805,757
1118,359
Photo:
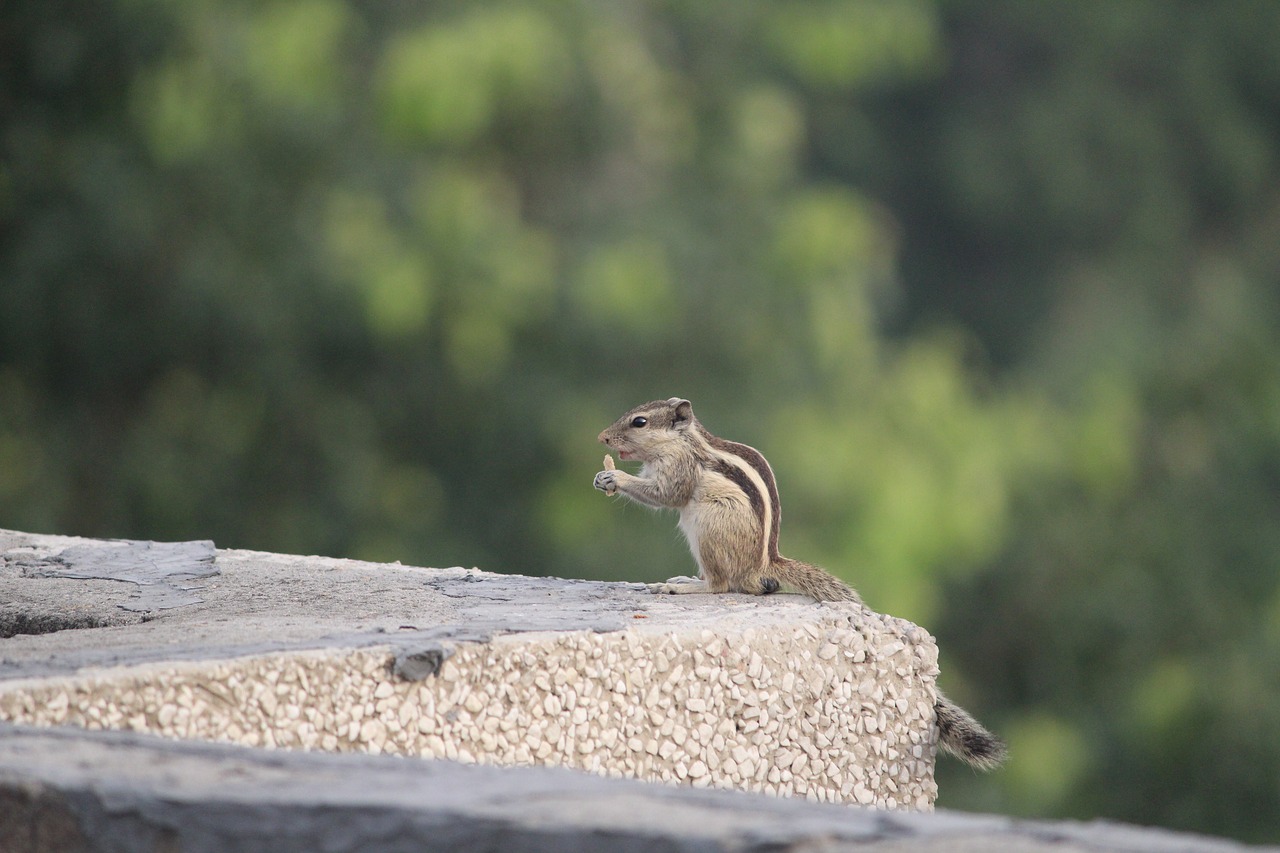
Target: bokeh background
994,284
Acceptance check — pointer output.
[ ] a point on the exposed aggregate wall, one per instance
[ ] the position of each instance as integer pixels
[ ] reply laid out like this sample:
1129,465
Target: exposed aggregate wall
836,709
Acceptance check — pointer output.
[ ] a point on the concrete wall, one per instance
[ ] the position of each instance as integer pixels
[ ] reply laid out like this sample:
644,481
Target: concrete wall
818,711
783,696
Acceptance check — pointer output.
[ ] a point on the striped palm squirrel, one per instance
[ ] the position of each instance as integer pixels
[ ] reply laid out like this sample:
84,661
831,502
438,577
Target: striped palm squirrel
730,514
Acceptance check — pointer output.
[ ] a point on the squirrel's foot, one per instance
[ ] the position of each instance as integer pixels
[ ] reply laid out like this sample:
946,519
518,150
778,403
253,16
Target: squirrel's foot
767,586
679,586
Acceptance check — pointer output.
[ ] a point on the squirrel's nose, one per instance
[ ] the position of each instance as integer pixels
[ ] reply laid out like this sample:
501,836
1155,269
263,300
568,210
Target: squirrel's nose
603,438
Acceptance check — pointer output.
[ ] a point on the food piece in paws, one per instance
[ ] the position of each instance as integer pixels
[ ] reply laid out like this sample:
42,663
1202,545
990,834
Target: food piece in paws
608,466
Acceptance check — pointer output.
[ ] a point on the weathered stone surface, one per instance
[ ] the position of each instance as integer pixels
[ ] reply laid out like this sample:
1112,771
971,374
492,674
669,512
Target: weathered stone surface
162,572
68,790
262,602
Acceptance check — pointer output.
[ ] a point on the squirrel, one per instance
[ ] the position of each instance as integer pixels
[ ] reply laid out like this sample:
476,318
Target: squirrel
730,514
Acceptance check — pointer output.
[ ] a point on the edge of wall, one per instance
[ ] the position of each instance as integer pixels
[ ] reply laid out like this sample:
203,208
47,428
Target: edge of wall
71,790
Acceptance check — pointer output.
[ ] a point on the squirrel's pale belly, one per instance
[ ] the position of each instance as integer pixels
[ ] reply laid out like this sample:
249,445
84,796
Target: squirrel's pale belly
692,530
722,530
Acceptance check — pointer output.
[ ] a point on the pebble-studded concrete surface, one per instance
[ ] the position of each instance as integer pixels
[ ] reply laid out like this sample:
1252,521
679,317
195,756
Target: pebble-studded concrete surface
780,695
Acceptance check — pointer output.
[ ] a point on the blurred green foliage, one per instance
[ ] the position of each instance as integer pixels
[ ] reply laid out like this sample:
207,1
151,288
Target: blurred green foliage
994,285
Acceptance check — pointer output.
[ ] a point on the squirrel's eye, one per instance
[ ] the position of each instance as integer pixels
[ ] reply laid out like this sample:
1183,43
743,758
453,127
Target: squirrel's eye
639,422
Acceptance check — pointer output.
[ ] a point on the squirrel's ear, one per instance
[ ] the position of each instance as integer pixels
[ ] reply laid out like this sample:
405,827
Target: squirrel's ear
684,412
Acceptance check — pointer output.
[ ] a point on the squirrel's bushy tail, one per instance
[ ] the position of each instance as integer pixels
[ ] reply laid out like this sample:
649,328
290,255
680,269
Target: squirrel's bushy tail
965,738
958,732
811,581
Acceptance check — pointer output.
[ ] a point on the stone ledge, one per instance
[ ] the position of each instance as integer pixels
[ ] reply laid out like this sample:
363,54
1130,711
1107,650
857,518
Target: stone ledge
781,695
64,790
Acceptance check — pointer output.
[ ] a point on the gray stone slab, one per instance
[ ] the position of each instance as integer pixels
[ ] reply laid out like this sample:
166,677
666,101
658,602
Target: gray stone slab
161,572
260,602
64,790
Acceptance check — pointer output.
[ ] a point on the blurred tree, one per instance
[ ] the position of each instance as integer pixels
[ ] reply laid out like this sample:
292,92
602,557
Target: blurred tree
1094,192
992,284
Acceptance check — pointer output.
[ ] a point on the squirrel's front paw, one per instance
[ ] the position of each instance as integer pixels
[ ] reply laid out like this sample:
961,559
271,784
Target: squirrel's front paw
607,482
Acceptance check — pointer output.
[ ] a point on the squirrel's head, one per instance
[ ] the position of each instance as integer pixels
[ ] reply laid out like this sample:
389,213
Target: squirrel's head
646,431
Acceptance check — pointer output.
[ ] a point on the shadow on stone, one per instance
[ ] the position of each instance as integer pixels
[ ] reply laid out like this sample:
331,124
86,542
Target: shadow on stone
15,622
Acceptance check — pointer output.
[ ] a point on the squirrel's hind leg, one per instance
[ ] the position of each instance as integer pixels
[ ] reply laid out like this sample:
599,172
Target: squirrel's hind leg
757,584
